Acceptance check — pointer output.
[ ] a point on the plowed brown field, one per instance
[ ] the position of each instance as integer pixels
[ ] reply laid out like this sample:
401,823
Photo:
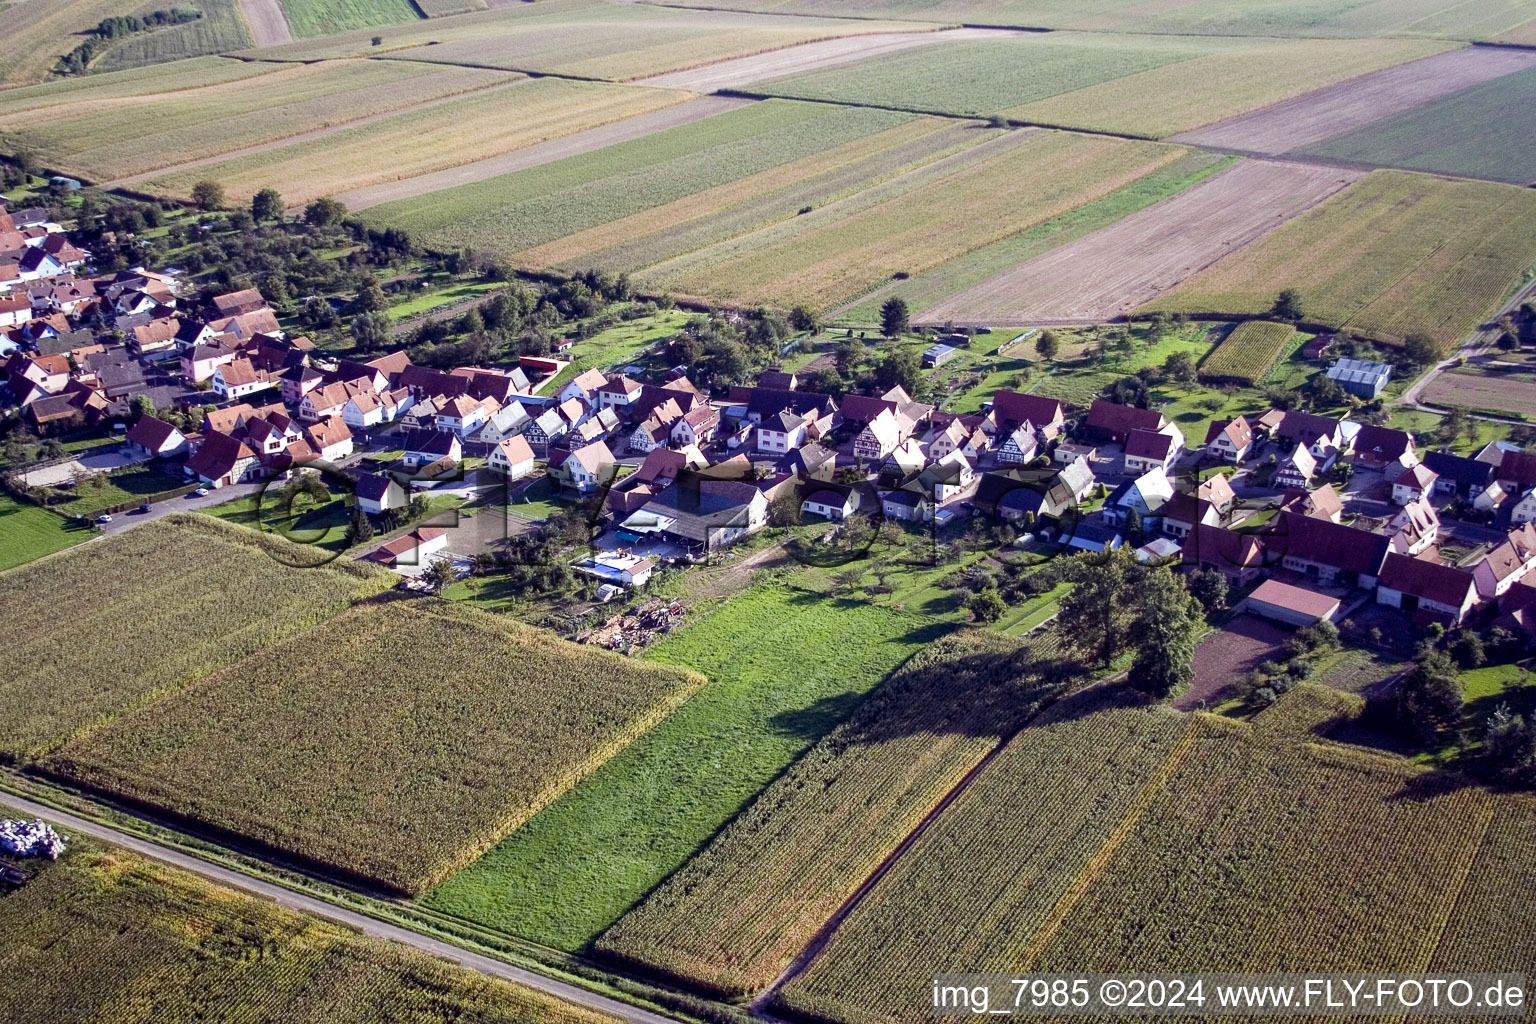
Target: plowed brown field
1118,268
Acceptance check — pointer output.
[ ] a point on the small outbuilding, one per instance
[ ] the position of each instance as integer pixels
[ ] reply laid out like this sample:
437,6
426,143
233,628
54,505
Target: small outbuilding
1296,606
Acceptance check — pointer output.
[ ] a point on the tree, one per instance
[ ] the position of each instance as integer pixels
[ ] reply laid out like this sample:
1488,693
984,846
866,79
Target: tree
1509,747
1287,305
986,605
1135,529
324,212
1429,699
894,317
1209,586
371,330
267,205
1167,618
208,195
1047,345
1452,425
371,297
439,573
359,527
1094,613
902,368
1421,349
802,319
1180,368
1508,342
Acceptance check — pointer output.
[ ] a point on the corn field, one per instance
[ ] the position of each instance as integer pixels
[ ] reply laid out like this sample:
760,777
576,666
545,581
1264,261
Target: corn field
394,743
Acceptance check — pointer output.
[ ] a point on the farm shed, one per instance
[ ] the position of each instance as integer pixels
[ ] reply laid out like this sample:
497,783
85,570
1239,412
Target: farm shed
1359,377
1297,606
938,355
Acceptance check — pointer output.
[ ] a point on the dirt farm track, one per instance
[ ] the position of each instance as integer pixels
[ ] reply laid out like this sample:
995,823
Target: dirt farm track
1118,268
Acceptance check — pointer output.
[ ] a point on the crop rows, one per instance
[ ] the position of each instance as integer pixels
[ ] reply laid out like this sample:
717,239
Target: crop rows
1203,845
1248,352
1475,19
420,140
219,30
100,91
145,612
784,669
1391,255
517,211
394,743
37,35
1147,85
309,18
917,221
989,875
190,124
104,934
733,918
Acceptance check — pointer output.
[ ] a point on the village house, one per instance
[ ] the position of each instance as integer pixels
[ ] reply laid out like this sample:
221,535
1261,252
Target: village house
1322,503
1147,494
465,415
330,399
585,386
1296,469
908,504
948,478
199,361
1019,447
424,447
813,462
156,438
700,515
1413,483
1295,606
1111,422
221,460
583,470
1238,556
1013,409
697,426
1382,446
1184,512
237,379
1146,449
1416,526
1326,550
545,429
880,436
1425,589
618,393
831,501
330,438
378,494
1360,378
1229,440
1217,490
508,421
1458,475
414,549
660,468
512,458
1507,564
784,431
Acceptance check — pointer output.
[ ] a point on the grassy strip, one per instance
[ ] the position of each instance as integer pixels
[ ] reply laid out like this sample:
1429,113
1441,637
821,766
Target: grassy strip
784,668
28,532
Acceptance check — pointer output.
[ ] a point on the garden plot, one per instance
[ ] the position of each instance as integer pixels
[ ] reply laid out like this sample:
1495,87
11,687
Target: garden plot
1117,268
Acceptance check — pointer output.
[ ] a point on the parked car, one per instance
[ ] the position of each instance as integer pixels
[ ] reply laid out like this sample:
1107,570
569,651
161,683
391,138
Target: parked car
103,518
144,507
201,492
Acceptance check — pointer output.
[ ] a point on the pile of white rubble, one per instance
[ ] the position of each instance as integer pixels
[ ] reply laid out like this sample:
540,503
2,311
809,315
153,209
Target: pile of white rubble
30,839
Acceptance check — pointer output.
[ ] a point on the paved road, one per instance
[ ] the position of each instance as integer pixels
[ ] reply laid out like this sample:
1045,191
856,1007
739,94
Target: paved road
320,908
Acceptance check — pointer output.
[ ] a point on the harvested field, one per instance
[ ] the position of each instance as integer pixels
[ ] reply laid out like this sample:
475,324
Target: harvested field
103,934
1394,254
1487,131
777,194
1221,658
309,18
1114,270
911,223
145,615
794,60
1309,119
1507,394
784,666
1154,843
735,916
1146,85
517,211
84,136
219,30
923,290
1474,19
1246,354
37,34
636,127
1226,82
425,139
609,41
395,743
268,23
442,8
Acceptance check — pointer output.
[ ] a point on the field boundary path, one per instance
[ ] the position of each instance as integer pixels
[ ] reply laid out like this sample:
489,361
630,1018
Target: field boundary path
369,926
267,22
543,152
735,72
1480,341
